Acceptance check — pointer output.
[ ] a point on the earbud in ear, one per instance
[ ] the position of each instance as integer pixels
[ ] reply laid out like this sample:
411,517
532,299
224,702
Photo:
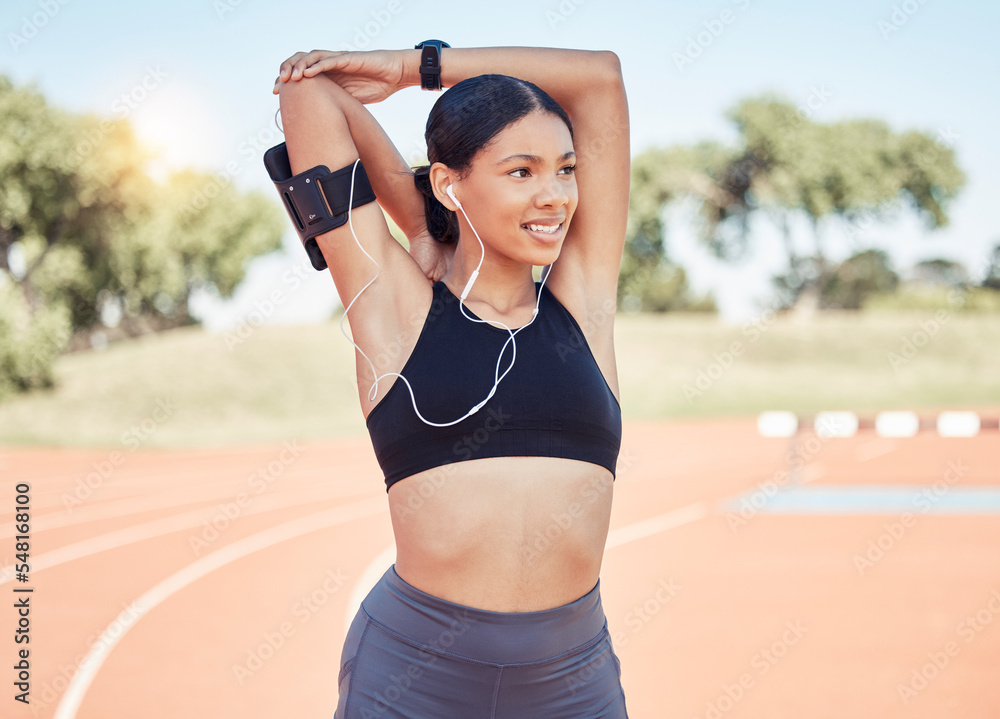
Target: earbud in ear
450,191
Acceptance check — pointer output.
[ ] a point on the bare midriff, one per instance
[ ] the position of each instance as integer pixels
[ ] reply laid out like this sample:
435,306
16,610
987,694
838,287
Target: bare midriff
505,534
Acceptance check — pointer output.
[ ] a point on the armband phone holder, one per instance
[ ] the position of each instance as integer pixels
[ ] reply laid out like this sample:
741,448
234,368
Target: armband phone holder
317,200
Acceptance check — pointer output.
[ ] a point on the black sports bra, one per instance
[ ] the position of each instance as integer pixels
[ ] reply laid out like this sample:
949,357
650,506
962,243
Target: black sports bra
554,402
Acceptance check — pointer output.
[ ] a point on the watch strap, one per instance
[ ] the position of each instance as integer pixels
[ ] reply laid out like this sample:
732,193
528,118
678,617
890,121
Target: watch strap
430,63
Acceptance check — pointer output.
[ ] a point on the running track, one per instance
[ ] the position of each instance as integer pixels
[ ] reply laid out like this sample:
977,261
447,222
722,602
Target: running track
824,599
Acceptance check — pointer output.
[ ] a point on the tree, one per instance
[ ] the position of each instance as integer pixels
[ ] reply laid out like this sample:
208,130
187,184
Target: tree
856,279
858,171
647,278
992,279
85,232
941,272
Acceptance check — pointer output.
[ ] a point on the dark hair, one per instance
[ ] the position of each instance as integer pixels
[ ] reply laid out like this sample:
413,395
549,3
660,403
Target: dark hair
464,120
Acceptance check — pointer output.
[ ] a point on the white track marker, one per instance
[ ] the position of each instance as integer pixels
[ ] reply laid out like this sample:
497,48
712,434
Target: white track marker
958,424
897,424
777,424
836,424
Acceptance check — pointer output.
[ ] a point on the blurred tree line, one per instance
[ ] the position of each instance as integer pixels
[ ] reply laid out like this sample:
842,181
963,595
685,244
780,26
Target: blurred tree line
89,243
91,246
784,165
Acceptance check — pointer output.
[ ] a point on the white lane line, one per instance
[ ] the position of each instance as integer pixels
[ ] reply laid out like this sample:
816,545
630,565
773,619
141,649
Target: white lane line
90,510
160,527
655,525
99,651
151,498
368,579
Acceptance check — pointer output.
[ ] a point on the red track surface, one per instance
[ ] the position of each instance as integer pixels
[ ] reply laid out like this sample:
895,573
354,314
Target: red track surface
771,618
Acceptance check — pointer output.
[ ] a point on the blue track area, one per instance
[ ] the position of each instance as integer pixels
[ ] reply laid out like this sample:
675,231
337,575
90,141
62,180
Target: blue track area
929,499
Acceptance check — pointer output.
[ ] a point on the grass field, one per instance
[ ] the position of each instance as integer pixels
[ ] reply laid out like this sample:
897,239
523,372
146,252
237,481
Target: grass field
188,388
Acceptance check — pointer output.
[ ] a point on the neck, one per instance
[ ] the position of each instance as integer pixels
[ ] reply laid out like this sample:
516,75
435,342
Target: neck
502,284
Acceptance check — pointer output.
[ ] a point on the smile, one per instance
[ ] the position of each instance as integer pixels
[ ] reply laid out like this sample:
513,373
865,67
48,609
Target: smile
547,229
544,233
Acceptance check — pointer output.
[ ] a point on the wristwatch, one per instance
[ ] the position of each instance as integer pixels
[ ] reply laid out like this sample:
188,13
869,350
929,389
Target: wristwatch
430,63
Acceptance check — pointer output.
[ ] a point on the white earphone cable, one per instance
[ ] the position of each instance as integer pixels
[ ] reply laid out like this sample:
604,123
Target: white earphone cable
373,391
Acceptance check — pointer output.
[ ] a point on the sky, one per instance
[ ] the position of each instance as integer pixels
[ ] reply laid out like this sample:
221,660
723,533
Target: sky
195,78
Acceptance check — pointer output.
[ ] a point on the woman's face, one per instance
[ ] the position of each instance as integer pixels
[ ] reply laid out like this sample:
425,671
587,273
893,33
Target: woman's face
520,192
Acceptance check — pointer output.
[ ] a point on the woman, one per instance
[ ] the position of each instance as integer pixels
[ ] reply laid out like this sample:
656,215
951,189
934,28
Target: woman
499,446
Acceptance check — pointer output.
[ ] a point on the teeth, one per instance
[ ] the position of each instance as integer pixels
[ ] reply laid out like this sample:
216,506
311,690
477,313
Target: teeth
547,229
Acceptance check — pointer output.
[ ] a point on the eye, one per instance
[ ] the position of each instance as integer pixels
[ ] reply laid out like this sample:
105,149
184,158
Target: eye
569,169
520,169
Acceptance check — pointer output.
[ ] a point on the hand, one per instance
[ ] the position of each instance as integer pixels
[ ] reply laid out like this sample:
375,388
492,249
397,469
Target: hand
369,76
433,257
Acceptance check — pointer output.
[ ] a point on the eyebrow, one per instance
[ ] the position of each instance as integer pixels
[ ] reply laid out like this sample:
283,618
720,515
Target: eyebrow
534,158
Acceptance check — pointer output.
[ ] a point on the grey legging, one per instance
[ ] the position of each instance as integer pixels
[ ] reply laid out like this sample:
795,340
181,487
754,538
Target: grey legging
410,654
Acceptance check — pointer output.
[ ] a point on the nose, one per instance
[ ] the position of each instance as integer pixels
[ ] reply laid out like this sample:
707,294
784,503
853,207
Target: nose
553,191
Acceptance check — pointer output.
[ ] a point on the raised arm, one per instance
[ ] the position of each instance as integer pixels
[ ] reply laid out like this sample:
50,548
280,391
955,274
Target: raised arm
588,85
390,176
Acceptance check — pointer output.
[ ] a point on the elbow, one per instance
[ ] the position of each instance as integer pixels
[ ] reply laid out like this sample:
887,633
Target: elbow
608,67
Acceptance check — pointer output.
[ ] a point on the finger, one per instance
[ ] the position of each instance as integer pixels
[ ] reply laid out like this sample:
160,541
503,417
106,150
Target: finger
285,71
305,61
299,68
325,63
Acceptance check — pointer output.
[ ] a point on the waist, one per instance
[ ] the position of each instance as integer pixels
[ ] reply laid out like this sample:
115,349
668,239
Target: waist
482,635
505,534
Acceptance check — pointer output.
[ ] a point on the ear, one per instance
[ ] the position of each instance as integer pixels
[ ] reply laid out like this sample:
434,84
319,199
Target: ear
440,177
